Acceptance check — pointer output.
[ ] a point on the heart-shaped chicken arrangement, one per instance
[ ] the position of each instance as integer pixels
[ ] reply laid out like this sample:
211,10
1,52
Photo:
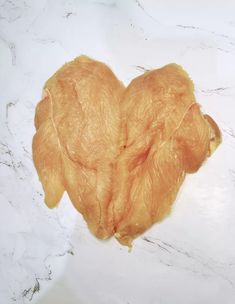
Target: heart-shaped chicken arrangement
120,153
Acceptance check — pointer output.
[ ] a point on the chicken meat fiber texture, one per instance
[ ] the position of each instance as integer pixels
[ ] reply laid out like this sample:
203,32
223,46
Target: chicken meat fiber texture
120,153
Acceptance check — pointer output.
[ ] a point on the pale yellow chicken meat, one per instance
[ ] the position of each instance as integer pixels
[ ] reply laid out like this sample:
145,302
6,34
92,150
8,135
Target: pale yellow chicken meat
121,154
76,143
165,136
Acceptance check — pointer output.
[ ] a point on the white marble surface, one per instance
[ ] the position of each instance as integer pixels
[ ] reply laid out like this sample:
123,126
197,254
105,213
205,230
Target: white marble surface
48,256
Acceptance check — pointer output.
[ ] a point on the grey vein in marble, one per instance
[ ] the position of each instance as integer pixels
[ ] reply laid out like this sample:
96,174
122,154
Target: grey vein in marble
145,12
208,265
12,48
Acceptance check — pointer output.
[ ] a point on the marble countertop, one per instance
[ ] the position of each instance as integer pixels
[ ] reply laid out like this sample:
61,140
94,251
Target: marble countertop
49,256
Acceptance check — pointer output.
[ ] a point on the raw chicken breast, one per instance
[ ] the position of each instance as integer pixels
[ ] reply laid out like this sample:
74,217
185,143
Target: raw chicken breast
121,154
78,125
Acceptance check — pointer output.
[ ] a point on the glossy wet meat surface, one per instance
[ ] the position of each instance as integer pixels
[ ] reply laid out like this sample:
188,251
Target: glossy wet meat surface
120,153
